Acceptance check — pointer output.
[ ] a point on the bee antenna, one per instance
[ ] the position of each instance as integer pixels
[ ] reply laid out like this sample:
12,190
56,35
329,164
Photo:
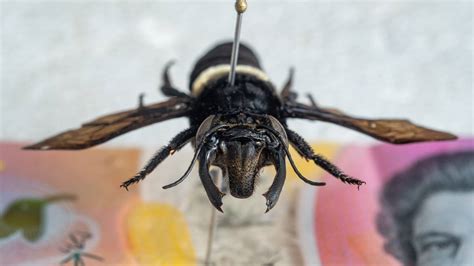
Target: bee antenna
204,141
190,167
298,173
290,159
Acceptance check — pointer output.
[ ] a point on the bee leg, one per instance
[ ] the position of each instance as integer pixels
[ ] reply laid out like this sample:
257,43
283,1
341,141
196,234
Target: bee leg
167,88
287,94
141,104
311,99
175,144
305,150
274,191
213,193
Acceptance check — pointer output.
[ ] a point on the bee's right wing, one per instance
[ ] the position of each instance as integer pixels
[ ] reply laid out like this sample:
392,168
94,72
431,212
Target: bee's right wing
111,126
396,131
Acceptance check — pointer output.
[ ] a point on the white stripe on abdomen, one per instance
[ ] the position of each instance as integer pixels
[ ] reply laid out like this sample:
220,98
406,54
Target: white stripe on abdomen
219,71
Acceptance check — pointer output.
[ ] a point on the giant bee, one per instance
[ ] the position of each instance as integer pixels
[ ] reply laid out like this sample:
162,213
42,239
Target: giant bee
240,128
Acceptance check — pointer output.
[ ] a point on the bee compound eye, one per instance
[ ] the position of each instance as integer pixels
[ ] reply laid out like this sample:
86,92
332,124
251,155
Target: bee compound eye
203,129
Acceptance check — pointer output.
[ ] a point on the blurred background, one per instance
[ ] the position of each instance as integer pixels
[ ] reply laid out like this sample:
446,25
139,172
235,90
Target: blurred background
67,62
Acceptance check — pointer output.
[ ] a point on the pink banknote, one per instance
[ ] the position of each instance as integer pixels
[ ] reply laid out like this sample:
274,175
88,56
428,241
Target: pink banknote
60,206
64,206
338,223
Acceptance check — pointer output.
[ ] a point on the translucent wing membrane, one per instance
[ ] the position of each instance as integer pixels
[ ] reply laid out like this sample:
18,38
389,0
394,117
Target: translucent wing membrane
111,126
396,131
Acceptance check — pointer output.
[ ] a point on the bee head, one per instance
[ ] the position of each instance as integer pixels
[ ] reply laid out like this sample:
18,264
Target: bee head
241,145
241,155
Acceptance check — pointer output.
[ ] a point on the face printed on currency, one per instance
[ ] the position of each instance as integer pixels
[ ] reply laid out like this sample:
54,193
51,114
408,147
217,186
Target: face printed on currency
443,230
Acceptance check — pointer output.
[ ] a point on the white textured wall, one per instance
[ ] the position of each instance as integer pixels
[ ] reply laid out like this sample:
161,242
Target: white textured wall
66,62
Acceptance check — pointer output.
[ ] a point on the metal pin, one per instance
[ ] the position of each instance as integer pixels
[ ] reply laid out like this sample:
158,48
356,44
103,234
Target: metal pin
240,7
213,221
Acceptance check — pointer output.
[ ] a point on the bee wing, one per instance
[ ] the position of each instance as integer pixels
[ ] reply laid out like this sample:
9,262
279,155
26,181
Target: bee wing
111,126
396,131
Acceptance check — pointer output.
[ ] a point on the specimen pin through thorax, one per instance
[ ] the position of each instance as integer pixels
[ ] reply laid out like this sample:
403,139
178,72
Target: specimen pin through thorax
240,7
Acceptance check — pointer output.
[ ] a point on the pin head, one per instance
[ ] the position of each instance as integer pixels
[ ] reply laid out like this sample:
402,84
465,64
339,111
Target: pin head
240,6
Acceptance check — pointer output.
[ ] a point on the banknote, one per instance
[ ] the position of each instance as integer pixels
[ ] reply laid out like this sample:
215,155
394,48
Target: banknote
57,205
65,207
343,225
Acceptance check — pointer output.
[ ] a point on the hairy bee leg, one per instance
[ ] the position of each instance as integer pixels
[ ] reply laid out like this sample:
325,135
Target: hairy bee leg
275,189
175,144
213,193
167,88
307,152
335,171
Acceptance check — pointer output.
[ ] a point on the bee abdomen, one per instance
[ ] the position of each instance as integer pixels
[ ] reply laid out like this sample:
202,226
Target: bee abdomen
216,63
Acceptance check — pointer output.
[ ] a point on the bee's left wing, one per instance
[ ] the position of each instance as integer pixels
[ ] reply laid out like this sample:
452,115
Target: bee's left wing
111,126
396,131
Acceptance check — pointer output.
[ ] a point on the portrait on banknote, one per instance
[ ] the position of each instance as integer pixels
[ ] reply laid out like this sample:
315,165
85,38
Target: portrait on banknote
416,209
427,211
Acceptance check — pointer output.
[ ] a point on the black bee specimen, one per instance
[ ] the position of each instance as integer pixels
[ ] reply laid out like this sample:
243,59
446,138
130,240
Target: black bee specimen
240,128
